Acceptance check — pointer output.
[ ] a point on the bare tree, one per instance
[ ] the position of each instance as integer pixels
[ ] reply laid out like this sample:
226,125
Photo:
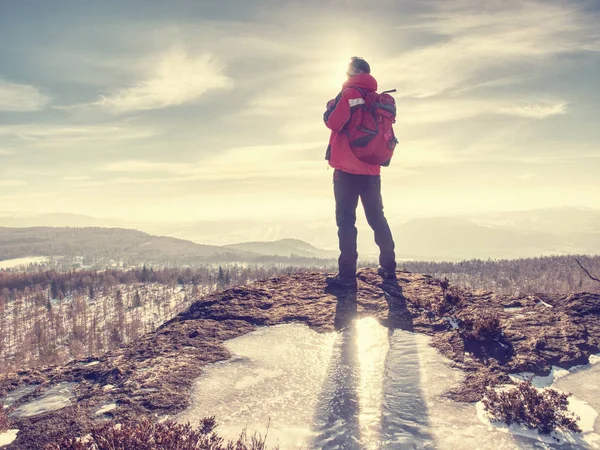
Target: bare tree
586,271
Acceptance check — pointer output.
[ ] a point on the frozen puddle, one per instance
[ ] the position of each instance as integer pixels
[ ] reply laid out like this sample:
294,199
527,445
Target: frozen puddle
364,387
17,394
55,397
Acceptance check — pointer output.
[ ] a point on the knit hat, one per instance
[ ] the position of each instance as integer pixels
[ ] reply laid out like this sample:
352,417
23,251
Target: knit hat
357,65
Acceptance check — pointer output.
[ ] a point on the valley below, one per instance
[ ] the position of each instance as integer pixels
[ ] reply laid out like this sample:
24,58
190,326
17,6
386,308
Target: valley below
355,359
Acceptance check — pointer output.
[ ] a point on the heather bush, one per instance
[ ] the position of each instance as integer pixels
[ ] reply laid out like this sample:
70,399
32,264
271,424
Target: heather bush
482,328
443,305
542,410
448,304
3,420
147,435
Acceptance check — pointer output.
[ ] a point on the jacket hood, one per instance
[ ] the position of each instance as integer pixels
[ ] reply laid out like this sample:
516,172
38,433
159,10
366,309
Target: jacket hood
362,80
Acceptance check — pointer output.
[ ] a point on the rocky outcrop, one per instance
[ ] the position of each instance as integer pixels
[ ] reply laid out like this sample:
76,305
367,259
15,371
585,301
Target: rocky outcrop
486,335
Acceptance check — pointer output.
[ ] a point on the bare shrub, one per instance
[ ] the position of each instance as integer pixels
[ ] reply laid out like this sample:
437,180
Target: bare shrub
482,328
439,306
3,420
143,434
448,304
544,410
444,284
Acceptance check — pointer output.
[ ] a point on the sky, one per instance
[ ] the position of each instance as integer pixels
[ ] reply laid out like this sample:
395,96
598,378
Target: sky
212,110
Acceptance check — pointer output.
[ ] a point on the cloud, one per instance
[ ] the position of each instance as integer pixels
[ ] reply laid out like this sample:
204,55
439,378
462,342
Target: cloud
51,135
4,152
75,178
527,176
257,162
441,109
21,97
140,166
178,78
500,40
536,110
459,60
11,183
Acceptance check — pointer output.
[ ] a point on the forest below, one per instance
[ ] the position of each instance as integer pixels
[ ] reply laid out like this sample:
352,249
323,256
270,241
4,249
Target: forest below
548,274
50,317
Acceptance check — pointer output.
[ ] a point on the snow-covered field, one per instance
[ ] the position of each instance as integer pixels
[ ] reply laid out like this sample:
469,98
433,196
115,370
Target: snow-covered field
22,262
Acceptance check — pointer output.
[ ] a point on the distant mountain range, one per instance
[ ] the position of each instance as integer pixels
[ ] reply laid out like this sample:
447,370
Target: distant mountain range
136,247
283,247
512,234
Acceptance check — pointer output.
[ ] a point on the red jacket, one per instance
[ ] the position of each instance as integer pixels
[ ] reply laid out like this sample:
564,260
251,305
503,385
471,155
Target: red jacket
339,152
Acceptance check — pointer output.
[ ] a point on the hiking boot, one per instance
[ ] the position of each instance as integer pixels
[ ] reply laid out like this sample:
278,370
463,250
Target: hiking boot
386,275
391,287
340,282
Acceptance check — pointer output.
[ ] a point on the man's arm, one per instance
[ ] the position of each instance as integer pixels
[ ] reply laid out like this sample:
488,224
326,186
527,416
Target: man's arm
339,111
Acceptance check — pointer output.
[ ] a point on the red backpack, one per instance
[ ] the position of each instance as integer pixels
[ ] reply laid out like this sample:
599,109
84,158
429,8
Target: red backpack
370,127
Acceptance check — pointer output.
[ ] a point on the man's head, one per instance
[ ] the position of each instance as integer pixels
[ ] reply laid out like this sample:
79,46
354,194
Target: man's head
357,66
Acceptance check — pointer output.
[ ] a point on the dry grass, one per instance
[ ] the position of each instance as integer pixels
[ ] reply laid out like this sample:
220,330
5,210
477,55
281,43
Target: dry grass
544,410
3,420
146,435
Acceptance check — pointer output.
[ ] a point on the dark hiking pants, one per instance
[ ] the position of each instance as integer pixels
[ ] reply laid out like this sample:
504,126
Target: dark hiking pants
348,188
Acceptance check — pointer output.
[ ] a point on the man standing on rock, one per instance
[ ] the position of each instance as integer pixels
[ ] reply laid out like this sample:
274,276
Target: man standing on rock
353,178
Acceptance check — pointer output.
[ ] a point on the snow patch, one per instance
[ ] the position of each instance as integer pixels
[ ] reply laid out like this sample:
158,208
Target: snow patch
20,262
88,364
595,359
453,321
541,381
8,437
106,408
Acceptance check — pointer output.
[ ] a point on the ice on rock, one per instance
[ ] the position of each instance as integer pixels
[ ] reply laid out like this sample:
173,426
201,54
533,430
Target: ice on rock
363,387
17,394
55,397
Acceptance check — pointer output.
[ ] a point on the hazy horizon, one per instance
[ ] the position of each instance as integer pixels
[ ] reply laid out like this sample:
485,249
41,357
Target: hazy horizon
402,218
508,234
213,111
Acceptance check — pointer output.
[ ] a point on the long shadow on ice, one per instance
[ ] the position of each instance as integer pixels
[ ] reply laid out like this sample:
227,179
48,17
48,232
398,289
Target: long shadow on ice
404,413
337,412
372,396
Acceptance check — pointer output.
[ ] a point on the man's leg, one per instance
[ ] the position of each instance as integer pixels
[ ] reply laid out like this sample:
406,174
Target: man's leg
345,189
373,205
